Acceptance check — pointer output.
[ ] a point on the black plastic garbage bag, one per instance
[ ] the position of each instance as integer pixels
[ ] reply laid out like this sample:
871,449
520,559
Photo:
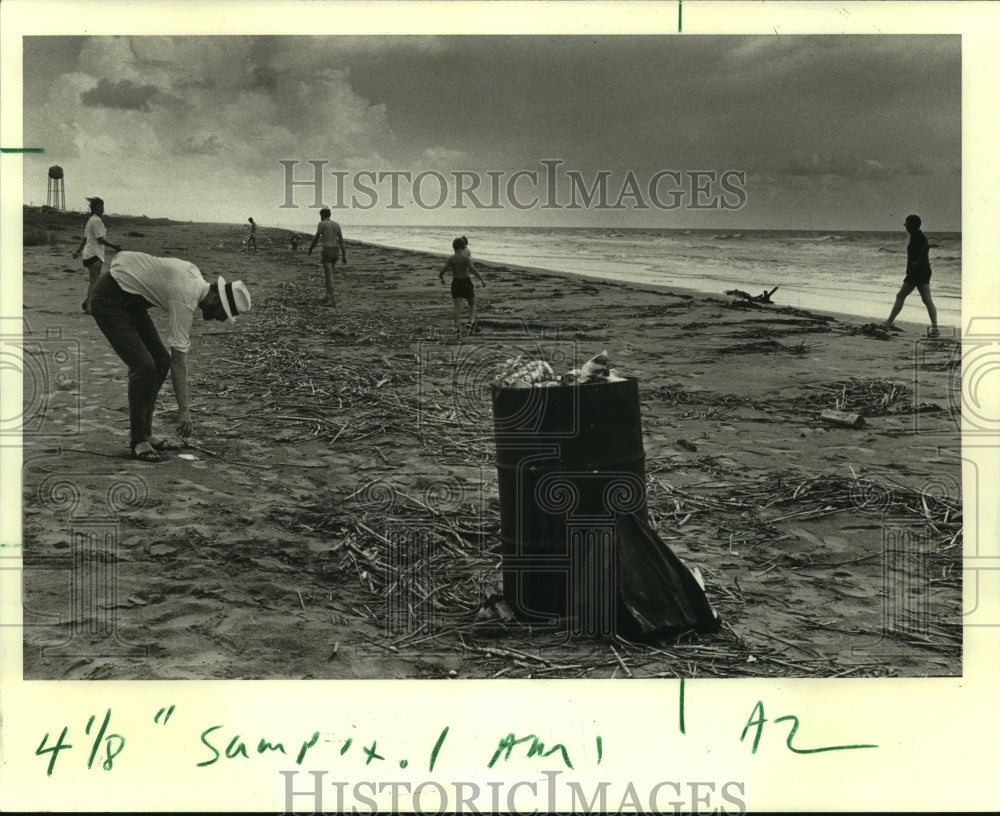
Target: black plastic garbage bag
658,591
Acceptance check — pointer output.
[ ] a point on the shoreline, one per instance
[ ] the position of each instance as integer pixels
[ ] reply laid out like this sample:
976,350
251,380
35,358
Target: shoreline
910,327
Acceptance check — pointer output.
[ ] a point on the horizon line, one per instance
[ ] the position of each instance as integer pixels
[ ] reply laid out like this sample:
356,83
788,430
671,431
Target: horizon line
460,227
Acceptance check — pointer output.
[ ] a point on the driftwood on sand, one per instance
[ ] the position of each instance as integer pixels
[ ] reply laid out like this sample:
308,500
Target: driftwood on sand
763,297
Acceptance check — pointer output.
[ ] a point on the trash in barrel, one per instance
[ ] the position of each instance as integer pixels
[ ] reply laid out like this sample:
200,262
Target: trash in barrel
577,548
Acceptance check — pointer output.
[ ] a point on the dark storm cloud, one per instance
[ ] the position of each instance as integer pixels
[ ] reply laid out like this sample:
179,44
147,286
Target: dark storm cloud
874,116
124,95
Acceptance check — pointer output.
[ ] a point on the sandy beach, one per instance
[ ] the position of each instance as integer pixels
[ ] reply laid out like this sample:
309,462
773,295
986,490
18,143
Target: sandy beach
323,435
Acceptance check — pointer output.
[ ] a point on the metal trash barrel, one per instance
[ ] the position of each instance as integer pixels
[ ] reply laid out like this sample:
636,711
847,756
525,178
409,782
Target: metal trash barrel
569,459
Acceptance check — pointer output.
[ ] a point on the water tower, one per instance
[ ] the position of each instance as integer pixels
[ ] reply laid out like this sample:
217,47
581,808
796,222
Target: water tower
56,196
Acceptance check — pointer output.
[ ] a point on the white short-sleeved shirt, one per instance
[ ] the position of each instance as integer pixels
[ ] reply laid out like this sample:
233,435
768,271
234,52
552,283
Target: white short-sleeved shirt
95,229
169,283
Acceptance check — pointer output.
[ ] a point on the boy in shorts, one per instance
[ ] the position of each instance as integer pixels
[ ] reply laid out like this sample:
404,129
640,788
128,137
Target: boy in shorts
918,275
329,236
461,265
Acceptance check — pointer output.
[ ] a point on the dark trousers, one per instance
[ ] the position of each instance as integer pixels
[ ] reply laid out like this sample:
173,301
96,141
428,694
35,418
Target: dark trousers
124,320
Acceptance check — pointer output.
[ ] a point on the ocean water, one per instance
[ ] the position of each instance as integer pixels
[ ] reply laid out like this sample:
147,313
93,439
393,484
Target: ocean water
852,273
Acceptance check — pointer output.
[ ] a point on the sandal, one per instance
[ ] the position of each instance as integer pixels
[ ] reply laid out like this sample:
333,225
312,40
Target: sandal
166,445
146,455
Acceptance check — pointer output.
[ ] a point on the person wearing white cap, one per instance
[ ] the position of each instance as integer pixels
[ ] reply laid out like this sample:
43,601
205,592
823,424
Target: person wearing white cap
92,245
135,283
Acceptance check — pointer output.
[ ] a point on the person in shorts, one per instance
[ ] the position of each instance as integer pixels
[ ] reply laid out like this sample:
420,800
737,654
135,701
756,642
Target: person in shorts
329,237
918,275
92,247
460,264
252,237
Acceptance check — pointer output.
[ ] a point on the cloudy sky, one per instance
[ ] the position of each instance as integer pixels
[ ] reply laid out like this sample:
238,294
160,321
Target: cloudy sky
822,132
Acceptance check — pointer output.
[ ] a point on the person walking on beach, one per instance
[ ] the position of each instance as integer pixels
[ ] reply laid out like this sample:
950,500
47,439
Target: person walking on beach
329,237
460,264
252,237
92,246
135,283
918,275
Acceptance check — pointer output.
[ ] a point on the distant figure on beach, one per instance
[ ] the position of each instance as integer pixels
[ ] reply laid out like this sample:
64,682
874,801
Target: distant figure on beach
135,283
295,241
329,237
92,246
460,264
252,237
918,274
